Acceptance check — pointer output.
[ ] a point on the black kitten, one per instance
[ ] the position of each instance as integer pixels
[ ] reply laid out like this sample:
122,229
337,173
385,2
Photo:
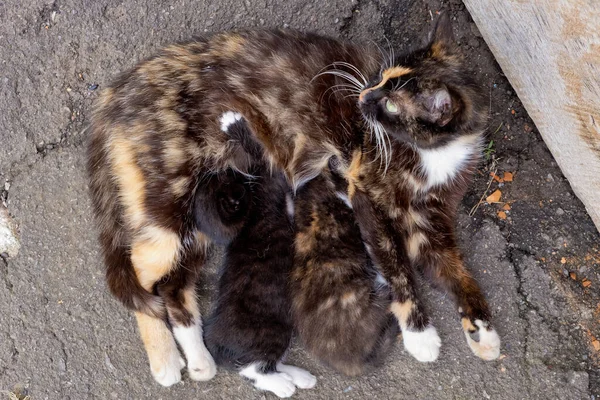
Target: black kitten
251,327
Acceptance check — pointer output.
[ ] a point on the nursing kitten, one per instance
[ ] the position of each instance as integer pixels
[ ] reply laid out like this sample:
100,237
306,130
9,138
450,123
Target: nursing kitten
155,133
341,311
251,327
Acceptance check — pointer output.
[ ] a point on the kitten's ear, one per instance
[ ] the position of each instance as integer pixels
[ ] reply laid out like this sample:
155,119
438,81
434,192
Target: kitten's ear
441,38
438,106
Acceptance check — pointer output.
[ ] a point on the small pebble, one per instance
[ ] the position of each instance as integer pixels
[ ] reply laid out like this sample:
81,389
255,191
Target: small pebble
336,20
560,211
474,43
349,388
550,178
93,86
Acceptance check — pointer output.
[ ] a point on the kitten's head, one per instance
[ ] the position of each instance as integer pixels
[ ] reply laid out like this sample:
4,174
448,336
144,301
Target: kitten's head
221,206
426,97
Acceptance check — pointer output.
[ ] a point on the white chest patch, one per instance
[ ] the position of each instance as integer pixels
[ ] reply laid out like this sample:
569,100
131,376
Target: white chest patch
443,164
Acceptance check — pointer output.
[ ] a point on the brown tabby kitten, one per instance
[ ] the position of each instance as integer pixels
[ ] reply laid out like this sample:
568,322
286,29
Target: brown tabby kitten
155,133
340,309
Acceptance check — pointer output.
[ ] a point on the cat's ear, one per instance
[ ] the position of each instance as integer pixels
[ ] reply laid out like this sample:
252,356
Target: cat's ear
438,106
441,38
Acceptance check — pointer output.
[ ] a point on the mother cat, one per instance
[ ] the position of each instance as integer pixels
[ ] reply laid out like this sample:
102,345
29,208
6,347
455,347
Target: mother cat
157,131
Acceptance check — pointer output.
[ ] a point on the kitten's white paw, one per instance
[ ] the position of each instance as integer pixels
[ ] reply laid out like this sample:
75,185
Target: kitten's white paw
167,372
488,345
424,345
202,368
279,383
300,377
229,118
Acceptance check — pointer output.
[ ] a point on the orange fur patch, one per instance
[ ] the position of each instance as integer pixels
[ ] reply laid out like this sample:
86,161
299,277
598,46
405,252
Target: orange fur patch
131,181
154,254
353,172
414,243
386,75
468,325
402,311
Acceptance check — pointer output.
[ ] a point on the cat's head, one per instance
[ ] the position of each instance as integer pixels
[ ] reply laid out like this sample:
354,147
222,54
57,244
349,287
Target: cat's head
426,97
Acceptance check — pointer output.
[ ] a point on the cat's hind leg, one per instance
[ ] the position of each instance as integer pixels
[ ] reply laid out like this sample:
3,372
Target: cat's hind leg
178,289
154,255
264,378
164,358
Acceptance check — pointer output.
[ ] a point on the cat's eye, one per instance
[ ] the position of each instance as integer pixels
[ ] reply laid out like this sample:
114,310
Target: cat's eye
391,107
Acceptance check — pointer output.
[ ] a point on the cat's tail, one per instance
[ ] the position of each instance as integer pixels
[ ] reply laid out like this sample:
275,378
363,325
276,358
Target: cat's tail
125,286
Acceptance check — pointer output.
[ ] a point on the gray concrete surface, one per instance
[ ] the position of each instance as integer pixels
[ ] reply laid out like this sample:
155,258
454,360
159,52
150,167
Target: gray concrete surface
63,337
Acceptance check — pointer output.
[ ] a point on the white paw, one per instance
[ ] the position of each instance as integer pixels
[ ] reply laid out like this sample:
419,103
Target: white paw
202,368
279,383
168,373
229,118
424,345
300,377
488,346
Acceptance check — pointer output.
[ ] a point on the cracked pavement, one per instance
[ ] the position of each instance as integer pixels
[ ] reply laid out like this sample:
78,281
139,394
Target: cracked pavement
62,336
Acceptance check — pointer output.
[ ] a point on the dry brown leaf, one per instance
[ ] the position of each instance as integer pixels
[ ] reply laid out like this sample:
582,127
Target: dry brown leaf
506,207
496,177
596,345
573,275
494,197
501,215
508,177
586,283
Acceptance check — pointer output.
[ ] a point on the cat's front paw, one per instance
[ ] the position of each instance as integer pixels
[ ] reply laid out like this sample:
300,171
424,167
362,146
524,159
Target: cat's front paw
423,345
482,339
202,367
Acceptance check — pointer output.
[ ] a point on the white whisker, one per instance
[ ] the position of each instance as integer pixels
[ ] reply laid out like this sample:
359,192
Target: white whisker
383,55
353,68
391,51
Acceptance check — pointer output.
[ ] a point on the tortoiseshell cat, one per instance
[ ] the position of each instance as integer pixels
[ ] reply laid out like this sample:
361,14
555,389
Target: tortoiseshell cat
251,326
405,181
155,133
